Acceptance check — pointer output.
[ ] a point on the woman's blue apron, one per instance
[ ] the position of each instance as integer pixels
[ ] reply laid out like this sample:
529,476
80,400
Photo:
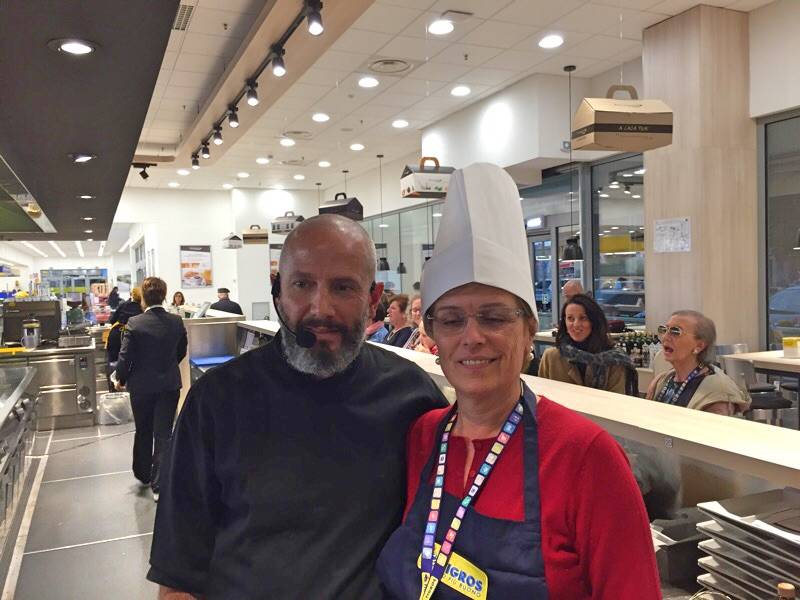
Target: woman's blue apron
492,558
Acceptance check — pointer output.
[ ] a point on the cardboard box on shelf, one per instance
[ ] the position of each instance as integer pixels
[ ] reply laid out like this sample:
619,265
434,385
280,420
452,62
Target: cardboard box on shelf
618,125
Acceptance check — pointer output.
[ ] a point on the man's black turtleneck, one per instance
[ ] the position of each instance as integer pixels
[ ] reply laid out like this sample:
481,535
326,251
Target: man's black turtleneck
286,486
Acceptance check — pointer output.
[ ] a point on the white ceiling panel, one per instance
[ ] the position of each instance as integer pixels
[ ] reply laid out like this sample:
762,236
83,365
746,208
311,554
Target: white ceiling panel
386,18
487,76
361,41
199,63
418,4
175,92
600,66
537,12
516,60
317,76
748,5
632,53
183,117
239,6
571,39
307,90
377,111
440,72
336,61
632,4
391,98
218,22
418,87
191,79
210,45
555,65
674,7
634,23
419,27
498,34
169,60
483,9
466,55
412,48
602,47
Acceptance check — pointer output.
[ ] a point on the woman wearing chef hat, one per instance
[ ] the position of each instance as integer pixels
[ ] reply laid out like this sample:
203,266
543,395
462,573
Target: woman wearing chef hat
510,495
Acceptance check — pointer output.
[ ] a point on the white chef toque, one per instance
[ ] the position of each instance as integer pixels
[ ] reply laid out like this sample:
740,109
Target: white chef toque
481,237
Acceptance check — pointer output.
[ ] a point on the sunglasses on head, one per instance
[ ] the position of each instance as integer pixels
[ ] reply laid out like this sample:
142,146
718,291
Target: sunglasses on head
673,331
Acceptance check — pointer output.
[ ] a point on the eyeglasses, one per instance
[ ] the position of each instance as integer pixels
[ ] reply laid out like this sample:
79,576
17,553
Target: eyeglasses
674,331
453,322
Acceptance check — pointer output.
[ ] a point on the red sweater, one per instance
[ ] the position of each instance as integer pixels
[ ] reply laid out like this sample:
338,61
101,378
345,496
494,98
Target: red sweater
596,539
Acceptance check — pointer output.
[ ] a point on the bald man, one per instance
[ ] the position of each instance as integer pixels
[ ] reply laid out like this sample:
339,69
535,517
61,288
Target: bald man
287,471
573,287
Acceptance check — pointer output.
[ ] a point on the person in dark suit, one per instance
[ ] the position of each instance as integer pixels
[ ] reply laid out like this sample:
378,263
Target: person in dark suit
225,304
153,345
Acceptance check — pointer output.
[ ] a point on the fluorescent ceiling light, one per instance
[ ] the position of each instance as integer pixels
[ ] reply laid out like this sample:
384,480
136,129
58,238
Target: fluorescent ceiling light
227,186
262,160
460,91
640,171
551,41
183,172
441,27
299,177
287,142
399,123
242,175
320,117
356,147
101,249
57,248
173,184
79,247
125,245
324,164
368,82
30,246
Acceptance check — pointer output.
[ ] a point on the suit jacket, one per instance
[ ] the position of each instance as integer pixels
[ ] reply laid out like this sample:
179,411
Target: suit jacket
152,347
556,367
228,306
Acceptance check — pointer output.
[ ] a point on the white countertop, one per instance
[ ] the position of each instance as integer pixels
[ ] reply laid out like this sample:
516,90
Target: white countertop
771,359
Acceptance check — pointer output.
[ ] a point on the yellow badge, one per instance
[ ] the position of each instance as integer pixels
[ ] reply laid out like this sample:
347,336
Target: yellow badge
462,576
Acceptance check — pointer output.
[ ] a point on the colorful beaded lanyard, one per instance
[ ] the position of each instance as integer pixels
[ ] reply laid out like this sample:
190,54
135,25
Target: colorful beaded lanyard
670,386
433,566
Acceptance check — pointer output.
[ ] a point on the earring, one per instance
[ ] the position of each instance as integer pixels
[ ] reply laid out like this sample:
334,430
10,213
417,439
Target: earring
438,360
695,351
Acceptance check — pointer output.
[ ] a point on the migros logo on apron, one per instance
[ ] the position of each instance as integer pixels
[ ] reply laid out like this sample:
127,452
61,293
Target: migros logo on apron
462,576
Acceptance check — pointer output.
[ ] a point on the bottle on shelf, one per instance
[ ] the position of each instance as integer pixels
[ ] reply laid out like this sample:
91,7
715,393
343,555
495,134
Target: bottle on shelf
786,591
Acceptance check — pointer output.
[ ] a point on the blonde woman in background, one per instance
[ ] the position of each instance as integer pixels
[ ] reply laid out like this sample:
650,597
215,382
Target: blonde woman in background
415,318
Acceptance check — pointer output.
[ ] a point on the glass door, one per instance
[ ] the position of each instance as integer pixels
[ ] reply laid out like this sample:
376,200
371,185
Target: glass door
541,247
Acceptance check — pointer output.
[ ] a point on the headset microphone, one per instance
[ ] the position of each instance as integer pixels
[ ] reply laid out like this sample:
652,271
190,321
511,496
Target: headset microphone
304,337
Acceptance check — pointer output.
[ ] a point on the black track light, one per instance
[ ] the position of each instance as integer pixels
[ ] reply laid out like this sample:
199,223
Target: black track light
233,117
143,173
143,168
195,162
217,136
251,95
278,66
314,17
205,152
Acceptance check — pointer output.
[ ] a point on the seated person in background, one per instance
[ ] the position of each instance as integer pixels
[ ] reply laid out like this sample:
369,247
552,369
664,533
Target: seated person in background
584,354
225,304
425,343
573,287
376,331
129,308
693,382
401,329
415,318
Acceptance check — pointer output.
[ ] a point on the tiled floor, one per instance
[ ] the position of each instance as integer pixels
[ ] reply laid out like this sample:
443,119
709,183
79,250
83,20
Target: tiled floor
92,525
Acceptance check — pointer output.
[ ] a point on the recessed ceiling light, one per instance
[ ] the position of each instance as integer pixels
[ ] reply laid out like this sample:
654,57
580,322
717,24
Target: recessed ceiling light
324,164
173,184
85,196
89,239
636,196
227,186
399,123
287,142
441,27
357,147
243,175
320,117
368,82
383,225
640,171
604,195
551,41
80,157
183,172
614,186
88,231
299,177
460,91
627,174
72,46
88,218
436,215
615,227
262,160
606,231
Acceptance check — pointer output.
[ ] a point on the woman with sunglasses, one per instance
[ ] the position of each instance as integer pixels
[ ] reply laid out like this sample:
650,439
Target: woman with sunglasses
510,495
584,354
693,382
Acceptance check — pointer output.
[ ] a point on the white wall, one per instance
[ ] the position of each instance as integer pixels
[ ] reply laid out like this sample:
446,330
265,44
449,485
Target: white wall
260,207
169,219
10,254
774,48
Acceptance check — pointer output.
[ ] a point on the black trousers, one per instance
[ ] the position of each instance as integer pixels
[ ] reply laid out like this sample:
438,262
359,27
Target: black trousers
153,415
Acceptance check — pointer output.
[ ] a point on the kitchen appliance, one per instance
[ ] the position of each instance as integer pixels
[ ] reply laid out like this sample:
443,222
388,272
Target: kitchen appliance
31,333
47,312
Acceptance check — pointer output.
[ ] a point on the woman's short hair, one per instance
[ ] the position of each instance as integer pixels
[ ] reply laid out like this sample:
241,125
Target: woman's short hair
598,340
402,302
704,330
136,295
154,290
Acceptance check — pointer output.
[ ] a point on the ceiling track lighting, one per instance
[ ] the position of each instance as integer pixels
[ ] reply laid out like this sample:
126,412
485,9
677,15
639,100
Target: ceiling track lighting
314,17
195,162
143,168
311,12
233,116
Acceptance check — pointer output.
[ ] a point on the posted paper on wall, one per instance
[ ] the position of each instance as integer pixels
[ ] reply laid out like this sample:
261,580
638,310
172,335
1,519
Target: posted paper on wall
196,267
673,235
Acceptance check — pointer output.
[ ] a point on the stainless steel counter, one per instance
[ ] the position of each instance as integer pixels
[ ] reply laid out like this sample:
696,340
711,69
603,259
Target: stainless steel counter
13,383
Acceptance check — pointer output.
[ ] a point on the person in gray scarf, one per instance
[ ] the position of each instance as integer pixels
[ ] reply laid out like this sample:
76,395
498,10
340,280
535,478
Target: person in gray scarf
584,354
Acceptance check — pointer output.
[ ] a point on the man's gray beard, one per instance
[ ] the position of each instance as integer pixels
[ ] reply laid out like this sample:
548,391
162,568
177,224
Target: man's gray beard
320,362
